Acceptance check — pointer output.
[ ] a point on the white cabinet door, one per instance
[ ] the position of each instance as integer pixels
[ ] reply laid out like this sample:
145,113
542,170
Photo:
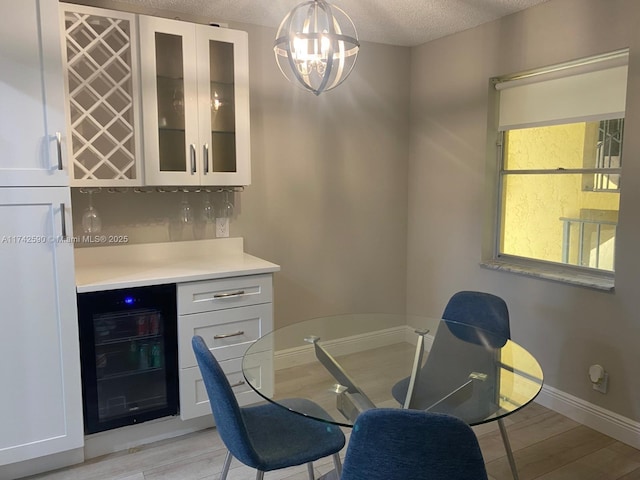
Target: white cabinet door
195,97
169,100
32,122
41,400
223,94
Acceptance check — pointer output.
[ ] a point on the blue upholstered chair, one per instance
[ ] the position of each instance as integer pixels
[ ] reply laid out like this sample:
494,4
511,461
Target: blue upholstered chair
265,437
486,311
395,444
478,309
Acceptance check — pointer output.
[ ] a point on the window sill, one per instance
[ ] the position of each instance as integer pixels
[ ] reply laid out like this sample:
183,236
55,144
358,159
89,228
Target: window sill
554,273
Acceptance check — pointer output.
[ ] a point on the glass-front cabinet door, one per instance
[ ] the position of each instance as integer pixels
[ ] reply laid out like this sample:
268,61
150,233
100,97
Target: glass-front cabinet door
223,83
195,103
169,101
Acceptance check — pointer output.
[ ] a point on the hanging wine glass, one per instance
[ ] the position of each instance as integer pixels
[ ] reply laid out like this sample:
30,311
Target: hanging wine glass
91,222
186,212
178,100
226,209
208,212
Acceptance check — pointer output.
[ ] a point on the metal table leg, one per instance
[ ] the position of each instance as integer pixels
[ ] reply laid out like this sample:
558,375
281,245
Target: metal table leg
415,370
507,447
336,472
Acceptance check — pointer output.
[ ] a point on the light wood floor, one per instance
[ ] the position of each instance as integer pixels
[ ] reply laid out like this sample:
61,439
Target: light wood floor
547,446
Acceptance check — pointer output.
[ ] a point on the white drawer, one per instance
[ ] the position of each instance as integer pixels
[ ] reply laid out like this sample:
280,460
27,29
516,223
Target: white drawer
194,401
227,333
208,295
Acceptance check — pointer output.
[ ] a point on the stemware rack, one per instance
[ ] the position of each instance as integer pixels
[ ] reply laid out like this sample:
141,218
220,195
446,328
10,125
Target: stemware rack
161,189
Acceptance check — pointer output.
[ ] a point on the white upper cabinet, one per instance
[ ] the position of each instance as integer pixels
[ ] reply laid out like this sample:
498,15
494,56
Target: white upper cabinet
32,127
100,53
195,97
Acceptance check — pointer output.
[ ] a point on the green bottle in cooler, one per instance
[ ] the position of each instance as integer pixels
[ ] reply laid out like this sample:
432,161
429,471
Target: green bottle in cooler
156,358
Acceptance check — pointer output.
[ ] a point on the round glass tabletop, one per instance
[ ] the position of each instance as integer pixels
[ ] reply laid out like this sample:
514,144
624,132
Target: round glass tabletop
351,363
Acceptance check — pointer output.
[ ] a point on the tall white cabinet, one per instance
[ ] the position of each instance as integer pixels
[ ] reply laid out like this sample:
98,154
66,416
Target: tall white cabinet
41,403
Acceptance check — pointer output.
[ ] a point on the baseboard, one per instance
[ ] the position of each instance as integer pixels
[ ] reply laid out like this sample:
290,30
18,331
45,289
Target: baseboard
604,421
292,357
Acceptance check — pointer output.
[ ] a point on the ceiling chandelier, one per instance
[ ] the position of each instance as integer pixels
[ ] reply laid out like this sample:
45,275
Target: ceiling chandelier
316,46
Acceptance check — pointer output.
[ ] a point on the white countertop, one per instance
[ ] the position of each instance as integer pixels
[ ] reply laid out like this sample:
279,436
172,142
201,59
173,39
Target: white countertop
126,266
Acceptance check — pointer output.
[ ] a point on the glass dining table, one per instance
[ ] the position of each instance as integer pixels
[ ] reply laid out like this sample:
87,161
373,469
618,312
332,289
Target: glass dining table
351,363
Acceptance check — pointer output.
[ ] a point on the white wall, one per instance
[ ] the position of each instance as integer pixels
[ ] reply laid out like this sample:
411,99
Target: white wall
566,327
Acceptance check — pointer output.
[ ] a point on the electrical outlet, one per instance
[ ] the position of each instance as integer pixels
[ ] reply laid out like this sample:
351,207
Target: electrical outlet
603,384
222,227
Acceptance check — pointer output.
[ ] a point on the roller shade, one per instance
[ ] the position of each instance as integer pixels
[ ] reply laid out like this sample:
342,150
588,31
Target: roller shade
565,96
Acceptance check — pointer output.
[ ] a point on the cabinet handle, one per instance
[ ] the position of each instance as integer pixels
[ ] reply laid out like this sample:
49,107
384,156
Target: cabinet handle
192,148
206,158
227,335
59,150
63,221
237,384
229,294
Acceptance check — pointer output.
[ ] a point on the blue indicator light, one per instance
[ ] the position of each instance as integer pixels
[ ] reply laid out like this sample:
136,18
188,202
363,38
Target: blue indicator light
129,300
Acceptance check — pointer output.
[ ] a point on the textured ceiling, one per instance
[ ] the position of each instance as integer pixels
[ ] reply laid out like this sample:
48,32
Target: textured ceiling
394,22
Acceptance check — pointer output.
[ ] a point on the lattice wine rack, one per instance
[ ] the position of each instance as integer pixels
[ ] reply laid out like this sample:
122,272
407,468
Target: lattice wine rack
103,99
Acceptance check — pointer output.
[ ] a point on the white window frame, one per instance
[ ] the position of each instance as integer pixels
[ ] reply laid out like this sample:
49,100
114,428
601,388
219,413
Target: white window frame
573,274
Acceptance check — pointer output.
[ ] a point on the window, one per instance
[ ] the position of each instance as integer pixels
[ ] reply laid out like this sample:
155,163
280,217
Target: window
560,149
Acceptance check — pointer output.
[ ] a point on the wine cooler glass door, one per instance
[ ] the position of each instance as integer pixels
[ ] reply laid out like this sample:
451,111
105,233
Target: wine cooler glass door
129,357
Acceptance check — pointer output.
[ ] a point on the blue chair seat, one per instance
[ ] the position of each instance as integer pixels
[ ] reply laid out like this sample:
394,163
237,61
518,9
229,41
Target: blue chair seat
283,438
265,437
395,444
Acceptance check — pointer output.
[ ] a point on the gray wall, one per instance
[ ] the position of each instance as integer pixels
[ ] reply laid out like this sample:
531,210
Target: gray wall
328,200
329,195
567,328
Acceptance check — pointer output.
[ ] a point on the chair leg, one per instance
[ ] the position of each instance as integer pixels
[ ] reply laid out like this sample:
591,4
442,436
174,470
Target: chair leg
225,466
259,475
507,447
337,463
310,471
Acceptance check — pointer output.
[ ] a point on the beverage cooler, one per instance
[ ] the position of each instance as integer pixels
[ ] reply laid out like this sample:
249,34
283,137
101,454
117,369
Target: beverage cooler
129,356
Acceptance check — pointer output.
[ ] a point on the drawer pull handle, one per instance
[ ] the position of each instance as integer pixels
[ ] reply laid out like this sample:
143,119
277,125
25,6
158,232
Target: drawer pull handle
227,335
229,294
237,384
